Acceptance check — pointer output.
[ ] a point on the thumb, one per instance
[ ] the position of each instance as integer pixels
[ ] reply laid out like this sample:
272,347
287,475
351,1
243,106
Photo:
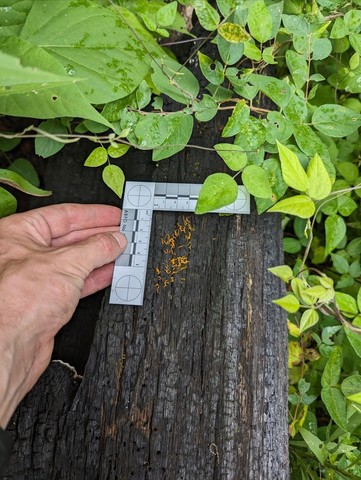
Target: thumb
95,251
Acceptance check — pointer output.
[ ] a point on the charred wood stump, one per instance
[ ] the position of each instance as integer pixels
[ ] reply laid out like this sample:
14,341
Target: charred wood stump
191,386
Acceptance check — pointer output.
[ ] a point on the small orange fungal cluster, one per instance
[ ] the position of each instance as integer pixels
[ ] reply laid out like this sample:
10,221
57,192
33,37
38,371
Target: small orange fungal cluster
177,246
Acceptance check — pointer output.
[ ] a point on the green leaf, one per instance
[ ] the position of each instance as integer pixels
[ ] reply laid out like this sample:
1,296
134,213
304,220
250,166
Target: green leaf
335,229
351,388
291,245
106,59
206,109
51,101
297,65
339,29
46,147
359,299
292,171
279,187
277,90
260,30
8,203
332,371
355,338
284,272
218,190
298,205
309,319
346,303
180,129
151,131
252,52
352,20
348,170
114,178
335,120
340,264
233,155
316,446
166,15
251,135
319,180
97,157
354,247
211,69
321,48
335,403
17,181
117,150
288,303
240,114
143,95
174,80
207,15
230,52
296,24
23,167
233,33
256,181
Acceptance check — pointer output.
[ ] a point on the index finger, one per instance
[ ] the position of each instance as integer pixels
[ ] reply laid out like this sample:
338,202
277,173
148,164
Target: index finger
69,217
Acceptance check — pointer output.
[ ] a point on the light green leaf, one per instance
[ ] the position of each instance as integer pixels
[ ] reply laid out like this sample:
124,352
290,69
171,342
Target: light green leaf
277,90
211,69
151,131
260,30
335,403
252,52
46,147
298,205
279,187
233,33
292,171
320,184
143,95
284,272
117,150
321,48
296,24
359,299
346,303
218,190
8,203
288,303
332,371
256,181
309,319
174,80
17,181
114,178
97,157
339,29
335,120
340,264
240,114
233,155
166,15
351,388
335,228
25,168
180,129
352,20
316,445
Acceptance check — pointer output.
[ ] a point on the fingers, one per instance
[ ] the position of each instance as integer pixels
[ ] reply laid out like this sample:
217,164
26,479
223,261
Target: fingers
82,258
69,217
80,235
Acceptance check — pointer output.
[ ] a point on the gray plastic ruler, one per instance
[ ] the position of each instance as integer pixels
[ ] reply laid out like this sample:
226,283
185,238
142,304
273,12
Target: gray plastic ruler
140,200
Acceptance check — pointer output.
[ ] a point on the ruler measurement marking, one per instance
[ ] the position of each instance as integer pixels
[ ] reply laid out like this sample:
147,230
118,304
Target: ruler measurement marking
140,200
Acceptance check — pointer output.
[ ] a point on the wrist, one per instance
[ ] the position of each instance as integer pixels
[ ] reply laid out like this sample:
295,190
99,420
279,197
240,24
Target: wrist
10,385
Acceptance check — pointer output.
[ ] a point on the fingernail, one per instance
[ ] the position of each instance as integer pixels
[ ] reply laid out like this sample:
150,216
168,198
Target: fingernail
121,239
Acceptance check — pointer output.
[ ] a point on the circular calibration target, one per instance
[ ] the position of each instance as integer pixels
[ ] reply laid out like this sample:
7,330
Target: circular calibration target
128,288
139,195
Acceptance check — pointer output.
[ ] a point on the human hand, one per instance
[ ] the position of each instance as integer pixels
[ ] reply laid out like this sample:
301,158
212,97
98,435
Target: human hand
49,259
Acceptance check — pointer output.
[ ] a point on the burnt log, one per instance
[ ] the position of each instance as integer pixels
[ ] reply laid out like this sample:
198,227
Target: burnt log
193,385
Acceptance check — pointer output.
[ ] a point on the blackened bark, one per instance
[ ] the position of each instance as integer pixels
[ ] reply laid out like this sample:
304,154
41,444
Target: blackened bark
193,385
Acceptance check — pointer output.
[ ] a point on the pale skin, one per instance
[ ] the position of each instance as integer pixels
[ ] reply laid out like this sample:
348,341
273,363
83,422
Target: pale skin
49,259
